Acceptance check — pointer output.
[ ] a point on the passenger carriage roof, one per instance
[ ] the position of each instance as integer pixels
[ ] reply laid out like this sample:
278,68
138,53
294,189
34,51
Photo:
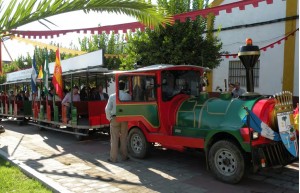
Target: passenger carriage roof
17,82
91,62
160,67
84,71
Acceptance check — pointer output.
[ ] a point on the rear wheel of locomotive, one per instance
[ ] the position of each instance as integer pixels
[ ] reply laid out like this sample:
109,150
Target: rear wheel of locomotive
138,146
226,161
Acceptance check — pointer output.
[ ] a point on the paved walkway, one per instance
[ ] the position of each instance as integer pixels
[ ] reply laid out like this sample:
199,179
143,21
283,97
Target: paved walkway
66,165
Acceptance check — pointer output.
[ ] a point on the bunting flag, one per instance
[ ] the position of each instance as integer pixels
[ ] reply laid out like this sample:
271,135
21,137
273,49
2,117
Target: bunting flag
267,46
57,76
241,5
40,75
34,75
47,46
259,126
46,73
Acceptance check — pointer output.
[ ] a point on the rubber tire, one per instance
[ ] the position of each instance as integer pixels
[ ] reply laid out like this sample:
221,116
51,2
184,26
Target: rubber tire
2,130
79,137
40,127
137,136
237,154
20,122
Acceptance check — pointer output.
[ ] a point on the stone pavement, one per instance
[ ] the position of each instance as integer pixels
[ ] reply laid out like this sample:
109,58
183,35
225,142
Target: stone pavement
66,165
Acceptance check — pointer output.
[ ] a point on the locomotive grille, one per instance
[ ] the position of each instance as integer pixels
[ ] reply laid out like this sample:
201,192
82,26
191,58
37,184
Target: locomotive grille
274,154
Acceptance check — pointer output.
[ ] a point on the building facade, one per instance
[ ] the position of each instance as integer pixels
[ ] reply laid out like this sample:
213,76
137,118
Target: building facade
271,24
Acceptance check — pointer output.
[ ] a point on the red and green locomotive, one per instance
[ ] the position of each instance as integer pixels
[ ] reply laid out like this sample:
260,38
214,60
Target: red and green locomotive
168,107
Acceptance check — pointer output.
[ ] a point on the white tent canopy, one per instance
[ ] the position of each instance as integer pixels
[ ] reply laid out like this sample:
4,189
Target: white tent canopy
86,61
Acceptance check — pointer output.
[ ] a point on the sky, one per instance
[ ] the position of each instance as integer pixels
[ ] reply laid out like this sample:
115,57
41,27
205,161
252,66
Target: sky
73,20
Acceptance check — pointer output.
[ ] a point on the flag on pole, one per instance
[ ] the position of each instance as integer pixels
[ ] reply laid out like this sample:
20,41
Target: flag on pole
259,126
46,73
40,75
57,76
34,75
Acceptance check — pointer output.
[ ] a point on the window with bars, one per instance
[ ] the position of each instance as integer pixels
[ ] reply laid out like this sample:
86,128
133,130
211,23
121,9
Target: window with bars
237,73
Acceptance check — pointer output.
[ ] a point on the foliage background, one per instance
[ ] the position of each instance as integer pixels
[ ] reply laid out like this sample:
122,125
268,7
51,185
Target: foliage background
189,42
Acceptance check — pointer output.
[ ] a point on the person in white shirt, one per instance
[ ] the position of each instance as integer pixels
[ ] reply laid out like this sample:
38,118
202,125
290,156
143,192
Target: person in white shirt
118,130
67,100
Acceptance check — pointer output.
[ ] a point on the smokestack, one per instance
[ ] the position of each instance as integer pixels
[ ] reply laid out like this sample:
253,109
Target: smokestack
249,55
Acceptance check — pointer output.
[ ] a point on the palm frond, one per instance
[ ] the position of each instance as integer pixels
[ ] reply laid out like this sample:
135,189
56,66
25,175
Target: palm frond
19,13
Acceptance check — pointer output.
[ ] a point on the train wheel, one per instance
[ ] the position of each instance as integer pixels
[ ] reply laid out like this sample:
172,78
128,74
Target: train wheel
79,137
20,122
137,143
226,161
40,127
2,130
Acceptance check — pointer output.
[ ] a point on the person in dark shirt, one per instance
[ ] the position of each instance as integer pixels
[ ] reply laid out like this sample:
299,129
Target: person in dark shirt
83,94
100,95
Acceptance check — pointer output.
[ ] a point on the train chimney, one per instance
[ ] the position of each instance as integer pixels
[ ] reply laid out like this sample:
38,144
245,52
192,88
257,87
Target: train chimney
249,55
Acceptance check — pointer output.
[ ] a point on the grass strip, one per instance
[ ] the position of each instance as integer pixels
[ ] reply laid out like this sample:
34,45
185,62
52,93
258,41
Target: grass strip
13,180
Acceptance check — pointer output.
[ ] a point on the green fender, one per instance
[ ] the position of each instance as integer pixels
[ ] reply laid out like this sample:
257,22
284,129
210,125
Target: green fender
236,134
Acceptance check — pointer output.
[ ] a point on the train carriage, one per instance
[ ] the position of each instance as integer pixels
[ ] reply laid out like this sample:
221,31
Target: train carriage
86,116
15,104
169,107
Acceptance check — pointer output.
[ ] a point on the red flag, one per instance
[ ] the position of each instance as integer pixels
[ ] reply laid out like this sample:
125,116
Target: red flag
57,76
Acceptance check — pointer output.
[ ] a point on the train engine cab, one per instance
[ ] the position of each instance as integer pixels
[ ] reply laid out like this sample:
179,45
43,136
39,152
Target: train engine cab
168,107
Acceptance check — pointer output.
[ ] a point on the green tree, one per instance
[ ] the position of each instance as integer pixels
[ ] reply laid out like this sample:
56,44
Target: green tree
17,13
109,43
189,42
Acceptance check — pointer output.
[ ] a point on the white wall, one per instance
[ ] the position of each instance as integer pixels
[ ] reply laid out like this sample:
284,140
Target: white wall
271,61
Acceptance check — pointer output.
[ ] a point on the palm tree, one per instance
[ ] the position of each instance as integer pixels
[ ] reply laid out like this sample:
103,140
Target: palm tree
16,13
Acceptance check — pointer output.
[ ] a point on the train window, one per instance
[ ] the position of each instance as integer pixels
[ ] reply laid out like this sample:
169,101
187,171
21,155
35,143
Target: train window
143,88
127,89
140,87
180,81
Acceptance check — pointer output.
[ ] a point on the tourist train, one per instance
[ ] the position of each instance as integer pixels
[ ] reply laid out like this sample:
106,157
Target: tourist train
171,108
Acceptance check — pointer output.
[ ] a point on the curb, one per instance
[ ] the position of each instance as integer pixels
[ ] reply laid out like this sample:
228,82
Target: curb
47,182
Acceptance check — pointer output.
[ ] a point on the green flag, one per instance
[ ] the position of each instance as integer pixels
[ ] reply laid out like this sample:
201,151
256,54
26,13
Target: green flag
46,73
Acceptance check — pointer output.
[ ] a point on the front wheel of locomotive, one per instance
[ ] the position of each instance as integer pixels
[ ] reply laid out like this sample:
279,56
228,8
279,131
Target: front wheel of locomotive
226,161
137,144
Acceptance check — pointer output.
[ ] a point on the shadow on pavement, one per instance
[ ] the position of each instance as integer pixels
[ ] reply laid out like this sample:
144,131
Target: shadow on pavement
162,171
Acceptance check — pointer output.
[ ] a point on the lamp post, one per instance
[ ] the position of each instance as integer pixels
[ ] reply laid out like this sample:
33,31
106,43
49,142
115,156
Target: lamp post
249,55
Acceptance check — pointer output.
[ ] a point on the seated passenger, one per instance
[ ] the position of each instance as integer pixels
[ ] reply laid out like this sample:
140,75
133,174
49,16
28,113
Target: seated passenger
100,95
83,94
51,95
93,93
168,89
67,100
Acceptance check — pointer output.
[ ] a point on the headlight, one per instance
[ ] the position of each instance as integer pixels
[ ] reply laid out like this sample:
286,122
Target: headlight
255,135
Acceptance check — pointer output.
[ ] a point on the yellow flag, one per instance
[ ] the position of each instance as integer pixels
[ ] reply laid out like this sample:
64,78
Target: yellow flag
40,76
